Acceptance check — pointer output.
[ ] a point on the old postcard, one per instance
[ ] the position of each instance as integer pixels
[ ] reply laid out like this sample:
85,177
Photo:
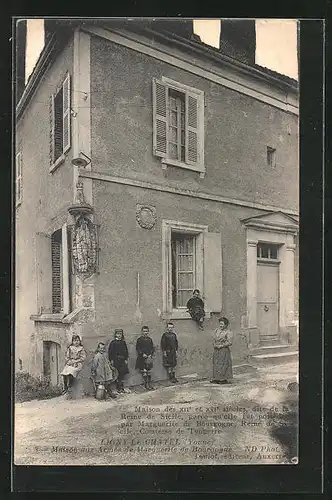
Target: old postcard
156,261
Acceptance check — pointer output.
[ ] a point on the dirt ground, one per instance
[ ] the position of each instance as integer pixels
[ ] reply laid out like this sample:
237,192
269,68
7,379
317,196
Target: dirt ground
253,421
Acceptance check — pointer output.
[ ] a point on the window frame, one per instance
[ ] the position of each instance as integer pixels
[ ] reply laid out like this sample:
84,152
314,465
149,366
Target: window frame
177,272
65,87
18,179
198,230
199,94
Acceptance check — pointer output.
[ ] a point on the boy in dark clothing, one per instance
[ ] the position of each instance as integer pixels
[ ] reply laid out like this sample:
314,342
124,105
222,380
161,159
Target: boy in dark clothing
118,356
169,347
144,361
195,306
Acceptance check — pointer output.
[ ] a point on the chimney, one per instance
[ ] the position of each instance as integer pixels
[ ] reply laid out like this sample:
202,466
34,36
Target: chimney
21,38
48,29
238,39
182,27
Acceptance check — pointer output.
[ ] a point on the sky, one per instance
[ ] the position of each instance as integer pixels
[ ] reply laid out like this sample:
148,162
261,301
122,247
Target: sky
276,42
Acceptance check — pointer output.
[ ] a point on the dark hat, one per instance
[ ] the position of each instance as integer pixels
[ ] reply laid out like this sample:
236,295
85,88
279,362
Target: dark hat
118,330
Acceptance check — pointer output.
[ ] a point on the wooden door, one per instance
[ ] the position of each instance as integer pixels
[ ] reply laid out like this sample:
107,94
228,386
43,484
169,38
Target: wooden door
268,301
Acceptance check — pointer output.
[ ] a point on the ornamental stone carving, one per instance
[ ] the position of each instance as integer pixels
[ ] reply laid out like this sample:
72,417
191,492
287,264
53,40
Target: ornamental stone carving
84,247
146,216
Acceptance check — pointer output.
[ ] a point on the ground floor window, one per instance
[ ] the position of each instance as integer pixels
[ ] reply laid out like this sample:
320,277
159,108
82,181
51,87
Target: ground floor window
183,268
191,258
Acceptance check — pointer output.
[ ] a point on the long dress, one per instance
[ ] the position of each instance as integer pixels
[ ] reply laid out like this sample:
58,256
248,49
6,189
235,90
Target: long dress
144,345
222,359
101,369
75,356
169,345
118,353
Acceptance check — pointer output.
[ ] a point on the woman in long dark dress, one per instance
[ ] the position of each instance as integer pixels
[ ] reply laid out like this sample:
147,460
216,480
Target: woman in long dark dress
222,359
169,347
118,355
144,361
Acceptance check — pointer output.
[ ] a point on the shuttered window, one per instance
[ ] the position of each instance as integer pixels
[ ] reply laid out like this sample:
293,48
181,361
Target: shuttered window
178,124
60,133
57,272
18,176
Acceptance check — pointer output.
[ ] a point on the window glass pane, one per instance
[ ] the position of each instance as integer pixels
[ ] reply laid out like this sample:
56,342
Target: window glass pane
173,118
173,151
185,281
185,263
173,134
172,103
183,297
274,252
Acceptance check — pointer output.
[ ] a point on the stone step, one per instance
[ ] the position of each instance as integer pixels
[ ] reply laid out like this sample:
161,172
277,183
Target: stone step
275,357
273,348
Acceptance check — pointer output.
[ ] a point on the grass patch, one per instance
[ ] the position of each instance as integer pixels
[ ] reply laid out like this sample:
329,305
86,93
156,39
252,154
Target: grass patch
28,388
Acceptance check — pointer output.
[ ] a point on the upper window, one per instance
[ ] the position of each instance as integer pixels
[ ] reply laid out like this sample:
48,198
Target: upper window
18,178
267,251
178,124
60,123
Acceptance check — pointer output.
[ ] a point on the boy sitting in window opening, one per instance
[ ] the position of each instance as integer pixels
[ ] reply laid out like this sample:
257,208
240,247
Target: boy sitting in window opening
195,306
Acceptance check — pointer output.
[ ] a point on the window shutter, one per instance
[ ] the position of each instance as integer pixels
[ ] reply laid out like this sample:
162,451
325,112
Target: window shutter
192,133
52,126
57,275
160,126
43,273
213,272
66,113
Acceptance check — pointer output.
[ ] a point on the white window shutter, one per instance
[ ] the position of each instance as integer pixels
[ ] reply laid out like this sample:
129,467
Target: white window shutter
66,113
160,121
192,129
44,273
213,272
52,127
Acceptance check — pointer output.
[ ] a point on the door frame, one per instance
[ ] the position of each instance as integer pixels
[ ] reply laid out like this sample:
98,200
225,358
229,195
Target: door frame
280,229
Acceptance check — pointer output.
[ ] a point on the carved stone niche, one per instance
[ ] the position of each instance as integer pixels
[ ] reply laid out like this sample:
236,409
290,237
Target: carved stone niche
146,216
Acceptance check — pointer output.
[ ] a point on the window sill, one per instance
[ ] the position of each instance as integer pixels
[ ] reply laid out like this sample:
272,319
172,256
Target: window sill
182,314
48,317
57,163
165,162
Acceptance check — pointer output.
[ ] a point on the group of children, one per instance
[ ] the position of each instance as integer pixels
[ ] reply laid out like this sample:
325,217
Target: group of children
110,368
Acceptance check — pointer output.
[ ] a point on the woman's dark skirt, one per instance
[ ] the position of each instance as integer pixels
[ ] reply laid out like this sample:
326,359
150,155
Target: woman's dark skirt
222,364
169,361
